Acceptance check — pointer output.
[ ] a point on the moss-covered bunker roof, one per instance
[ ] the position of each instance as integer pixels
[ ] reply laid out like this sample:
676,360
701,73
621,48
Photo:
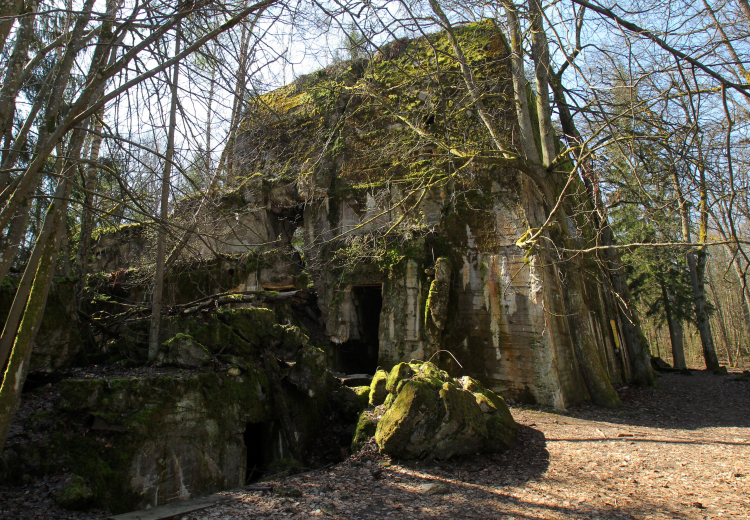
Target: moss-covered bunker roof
382,120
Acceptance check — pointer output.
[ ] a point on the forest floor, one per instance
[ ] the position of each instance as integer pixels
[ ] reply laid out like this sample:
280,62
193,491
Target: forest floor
679,451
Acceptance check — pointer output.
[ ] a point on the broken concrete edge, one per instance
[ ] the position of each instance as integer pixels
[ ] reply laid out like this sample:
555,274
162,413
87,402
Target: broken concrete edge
172,509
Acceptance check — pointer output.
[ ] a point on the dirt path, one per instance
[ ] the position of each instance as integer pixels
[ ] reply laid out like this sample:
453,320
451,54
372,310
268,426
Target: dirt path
680,451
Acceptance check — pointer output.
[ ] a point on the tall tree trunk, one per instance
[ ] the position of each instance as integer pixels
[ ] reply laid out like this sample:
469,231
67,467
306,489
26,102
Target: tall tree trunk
17,309
696,265
87,209
745,8
14,238
89,183
528,143
676,334
540,55
9,9
720,320
12,79
156,304
18,364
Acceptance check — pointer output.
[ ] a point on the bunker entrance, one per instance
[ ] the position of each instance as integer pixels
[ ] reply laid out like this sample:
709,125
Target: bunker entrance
257,442
359,355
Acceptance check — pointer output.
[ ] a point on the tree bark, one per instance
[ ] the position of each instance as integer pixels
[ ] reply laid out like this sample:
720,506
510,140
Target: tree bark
720,320
156,304
676,334
745,8
13,240
528,143
9,9
696,266
12,78
87,210
540,55
17,309
18,364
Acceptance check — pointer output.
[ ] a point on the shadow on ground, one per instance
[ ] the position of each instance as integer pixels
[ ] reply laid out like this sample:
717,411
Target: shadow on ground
685,402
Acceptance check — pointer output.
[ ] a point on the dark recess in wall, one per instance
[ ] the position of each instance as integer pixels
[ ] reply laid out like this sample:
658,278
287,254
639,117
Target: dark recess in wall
360,356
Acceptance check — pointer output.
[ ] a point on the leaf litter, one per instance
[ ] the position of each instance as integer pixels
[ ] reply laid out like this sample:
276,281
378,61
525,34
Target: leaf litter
679,451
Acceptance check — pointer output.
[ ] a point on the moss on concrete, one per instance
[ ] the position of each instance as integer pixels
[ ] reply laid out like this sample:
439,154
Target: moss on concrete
364,431
431,414
74,494
397,374
378,390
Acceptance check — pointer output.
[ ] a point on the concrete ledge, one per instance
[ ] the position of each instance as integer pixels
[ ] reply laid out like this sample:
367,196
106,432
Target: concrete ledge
169,511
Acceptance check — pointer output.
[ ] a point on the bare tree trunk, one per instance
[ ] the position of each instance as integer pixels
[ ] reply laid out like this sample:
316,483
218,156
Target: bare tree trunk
745,8
540,54
696,266
18,364
12,79
720,319
25,286
239,97
89,183
156,303
675,329
9,9
528,142
87,210
14,238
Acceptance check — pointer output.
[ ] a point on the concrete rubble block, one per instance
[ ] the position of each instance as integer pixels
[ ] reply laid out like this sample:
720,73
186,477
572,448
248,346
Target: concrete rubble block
182,351
435,416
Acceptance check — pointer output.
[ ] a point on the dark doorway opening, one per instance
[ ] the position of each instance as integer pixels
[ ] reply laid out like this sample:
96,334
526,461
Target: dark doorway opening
359,355
256,442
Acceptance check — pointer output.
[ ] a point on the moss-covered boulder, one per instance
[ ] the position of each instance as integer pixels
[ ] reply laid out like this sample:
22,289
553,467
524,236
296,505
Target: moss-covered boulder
434,415
378,392
182,351
398,373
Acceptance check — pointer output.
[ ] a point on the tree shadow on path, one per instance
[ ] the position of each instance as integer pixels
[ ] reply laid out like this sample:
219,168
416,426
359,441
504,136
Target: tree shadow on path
681,402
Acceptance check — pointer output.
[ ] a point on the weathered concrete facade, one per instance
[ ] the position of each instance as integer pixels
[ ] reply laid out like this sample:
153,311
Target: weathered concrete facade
343,179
